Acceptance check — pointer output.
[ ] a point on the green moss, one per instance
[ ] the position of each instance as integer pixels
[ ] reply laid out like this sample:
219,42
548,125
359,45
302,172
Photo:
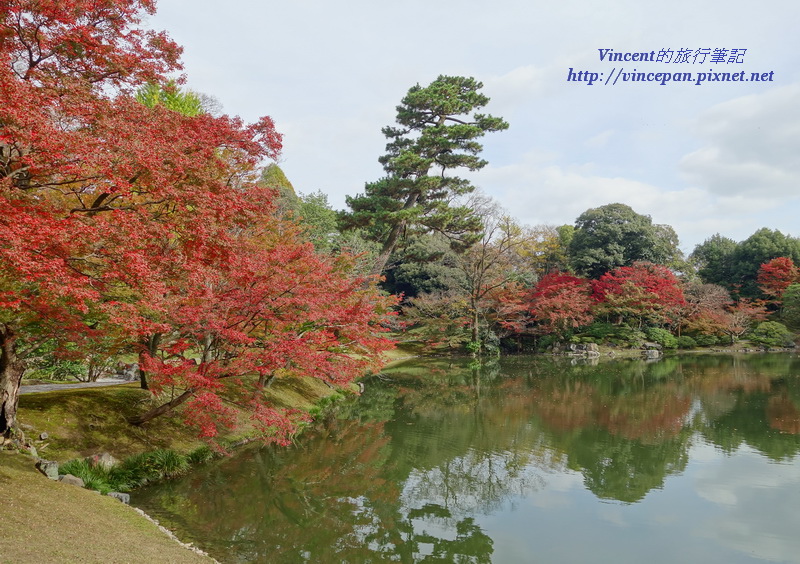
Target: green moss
83,422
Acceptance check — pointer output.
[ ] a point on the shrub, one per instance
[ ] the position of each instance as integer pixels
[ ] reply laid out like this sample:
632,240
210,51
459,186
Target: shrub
153,466
662,337
148,467
632,337
123,478
79,468
704,340
47,365
137,470
546,342
473,347
600,332
491,342
686,342
94,477
324,404
772,334
200,455
620,335
169,463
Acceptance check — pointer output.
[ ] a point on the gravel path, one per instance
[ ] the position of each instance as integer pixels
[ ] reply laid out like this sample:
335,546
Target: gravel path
35,388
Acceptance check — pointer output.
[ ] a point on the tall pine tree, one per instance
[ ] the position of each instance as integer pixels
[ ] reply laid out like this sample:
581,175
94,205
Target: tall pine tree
437,132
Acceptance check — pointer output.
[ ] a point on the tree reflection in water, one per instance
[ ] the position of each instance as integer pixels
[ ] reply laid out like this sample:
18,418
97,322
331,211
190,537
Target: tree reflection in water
406,472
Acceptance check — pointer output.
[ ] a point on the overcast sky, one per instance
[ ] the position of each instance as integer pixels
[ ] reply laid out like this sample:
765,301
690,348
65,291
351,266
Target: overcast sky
721,157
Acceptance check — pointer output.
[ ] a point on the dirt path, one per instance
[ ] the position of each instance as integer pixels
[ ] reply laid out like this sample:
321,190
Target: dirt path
36,388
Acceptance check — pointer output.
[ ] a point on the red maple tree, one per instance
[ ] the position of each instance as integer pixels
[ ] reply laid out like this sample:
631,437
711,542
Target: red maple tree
777,275
641,292
65,68
118,217
704,308
561,302
259,305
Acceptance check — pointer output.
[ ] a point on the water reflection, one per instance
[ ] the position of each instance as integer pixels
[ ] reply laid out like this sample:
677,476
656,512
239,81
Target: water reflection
441,461
745,487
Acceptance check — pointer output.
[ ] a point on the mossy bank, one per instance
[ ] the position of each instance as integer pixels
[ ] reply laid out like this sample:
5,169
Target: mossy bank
55,522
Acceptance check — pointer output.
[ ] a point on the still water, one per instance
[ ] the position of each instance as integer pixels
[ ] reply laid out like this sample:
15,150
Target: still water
527,459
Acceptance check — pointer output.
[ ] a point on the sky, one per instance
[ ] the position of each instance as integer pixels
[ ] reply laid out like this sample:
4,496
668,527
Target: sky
718,157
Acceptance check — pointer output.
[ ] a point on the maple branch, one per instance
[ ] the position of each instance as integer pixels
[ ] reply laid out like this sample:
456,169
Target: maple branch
162,409
54,183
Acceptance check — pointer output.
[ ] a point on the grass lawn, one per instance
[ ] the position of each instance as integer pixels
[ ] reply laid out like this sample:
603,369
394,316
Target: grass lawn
46,521
49,522
82,422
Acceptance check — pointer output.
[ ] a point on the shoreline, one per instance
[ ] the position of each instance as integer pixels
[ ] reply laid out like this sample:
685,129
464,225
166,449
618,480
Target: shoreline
606,353
47,412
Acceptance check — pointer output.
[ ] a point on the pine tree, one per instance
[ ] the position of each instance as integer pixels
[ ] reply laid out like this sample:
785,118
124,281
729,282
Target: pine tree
436,133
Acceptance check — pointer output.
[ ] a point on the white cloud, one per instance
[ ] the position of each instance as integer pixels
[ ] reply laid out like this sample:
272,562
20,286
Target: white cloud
331,75
756,502
753,146
539,192
522,85
600,140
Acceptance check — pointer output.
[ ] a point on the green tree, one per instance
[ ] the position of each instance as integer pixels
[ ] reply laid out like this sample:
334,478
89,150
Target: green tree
437,132
480,290
791,306
667,245
713,259
614,235
565,235
735,266
428,264
761,247
172,97
547,249
287,201
319,219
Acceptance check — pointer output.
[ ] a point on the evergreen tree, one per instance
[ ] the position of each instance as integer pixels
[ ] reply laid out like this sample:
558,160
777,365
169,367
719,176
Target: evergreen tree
714,260
735,266
614,235
436,133
761,247
287,200
172,97
319,218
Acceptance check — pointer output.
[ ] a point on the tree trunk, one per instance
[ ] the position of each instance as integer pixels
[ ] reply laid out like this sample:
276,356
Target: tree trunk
391,241
94,371
11,370
152,348
161,409
265,381
142,374
475,337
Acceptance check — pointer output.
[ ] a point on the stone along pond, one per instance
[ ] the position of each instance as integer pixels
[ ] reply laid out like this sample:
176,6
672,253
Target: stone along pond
527,459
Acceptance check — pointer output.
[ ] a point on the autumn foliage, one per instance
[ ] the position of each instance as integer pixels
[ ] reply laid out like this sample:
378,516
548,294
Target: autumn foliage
561,302
642,292
777,275
141,222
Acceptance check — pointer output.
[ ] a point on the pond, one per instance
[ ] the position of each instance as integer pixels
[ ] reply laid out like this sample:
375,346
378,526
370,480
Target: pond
524,459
